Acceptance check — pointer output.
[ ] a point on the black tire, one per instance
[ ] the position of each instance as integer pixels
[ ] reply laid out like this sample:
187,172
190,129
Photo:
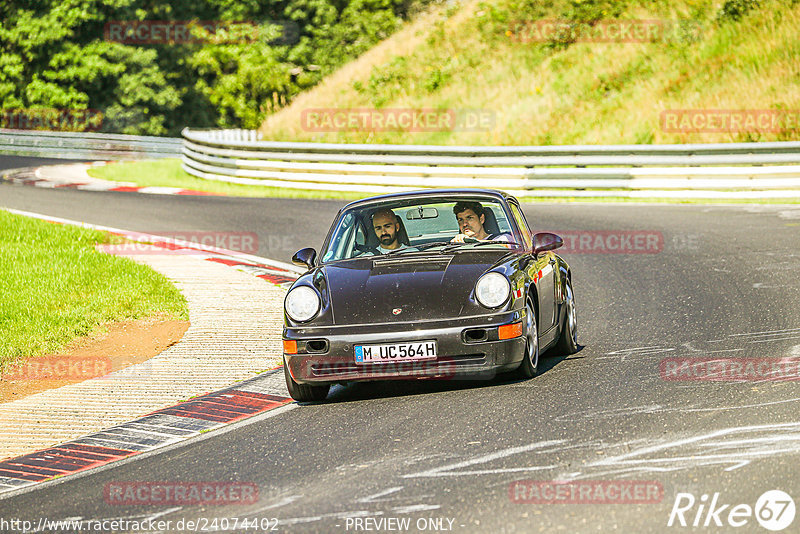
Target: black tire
568,341
530,361
304,392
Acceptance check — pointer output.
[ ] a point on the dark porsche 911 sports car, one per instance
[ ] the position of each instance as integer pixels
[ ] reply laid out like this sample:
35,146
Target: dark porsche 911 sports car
428,284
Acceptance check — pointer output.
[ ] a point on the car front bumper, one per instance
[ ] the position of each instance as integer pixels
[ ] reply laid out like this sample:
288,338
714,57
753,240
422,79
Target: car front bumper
468,348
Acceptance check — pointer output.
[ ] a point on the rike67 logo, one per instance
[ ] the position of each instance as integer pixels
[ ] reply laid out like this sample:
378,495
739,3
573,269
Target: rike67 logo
774,510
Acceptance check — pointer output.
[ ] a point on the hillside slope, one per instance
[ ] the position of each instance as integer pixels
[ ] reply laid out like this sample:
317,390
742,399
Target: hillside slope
540,88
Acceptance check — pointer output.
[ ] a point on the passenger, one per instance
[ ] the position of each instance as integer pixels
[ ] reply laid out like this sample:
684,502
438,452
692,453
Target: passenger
471,218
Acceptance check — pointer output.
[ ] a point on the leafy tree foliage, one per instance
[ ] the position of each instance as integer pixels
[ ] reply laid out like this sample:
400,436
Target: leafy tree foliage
57,55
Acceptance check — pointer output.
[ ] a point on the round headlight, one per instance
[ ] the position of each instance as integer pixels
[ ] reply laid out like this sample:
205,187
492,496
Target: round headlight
302,303
492,289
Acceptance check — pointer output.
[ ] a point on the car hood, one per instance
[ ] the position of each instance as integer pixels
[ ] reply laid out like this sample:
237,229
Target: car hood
371,290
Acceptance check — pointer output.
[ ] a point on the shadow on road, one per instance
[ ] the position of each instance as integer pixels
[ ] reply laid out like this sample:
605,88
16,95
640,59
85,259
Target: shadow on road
358,391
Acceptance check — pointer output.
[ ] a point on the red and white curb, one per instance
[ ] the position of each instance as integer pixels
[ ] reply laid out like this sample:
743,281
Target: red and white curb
33,176
170,425
156,430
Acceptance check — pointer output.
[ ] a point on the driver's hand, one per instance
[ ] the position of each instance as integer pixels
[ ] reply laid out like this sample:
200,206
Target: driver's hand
460,237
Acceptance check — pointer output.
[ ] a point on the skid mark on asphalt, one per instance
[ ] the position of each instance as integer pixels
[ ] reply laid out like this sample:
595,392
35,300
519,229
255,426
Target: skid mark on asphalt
623,355
415,508
734,342
375,497
656,408
450,469
690,347
768,332
730,448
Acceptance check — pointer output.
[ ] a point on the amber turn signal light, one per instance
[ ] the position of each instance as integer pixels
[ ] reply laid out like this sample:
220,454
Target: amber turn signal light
508,331
289,346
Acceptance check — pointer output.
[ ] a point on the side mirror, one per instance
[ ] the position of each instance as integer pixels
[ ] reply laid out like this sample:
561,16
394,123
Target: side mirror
305,257
544,241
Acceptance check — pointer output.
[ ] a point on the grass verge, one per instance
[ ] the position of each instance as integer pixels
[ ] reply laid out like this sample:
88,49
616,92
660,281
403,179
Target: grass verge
54,287
168,173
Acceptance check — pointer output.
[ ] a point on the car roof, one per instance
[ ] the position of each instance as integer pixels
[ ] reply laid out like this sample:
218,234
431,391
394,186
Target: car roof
428,193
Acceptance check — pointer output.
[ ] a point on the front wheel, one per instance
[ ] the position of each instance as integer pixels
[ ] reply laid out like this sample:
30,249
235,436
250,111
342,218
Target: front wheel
530,362
568,342
304,392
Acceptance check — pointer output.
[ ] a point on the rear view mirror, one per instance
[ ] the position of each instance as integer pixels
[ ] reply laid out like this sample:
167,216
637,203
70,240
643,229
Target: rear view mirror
544,241
422,213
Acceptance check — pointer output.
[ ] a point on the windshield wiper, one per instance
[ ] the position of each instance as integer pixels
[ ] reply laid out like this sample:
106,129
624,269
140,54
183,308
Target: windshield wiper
498,243
405,249
453,246
426,246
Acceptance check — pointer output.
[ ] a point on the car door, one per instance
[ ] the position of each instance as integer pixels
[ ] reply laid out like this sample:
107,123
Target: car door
542,272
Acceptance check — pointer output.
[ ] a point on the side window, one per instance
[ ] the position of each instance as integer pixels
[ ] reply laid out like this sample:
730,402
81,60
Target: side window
361,238
500,216
336,248
526,232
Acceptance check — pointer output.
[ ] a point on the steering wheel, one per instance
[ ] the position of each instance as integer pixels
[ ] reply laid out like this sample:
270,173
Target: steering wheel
366,248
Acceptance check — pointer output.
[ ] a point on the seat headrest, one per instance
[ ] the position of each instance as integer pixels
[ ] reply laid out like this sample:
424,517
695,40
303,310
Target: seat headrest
490,222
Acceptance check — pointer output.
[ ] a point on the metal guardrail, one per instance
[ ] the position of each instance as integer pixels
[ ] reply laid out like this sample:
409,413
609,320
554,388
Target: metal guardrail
86,146
240,156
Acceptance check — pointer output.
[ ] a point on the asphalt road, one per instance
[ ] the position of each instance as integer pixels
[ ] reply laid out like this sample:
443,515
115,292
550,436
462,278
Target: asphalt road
723,283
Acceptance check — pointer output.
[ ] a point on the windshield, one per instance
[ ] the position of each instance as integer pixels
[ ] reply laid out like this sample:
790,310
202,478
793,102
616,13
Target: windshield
408,226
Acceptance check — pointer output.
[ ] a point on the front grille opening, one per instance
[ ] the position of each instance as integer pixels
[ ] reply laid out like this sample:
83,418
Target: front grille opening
317,345
476,335
445,366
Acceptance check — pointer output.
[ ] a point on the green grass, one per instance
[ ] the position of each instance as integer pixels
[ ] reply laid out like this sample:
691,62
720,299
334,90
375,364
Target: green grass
54,287
168,173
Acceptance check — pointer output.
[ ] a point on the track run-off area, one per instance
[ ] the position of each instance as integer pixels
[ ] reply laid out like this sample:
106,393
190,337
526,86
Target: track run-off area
616,436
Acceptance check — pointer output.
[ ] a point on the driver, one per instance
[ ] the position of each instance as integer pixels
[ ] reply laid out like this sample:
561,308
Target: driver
387,228
471,218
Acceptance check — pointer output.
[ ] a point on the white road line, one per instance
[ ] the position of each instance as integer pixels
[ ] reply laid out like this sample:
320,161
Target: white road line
374,498
446,470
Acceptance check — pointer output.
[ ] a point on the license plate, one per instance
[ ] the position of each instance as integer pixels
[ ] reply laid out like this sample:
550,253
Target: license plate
396,352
